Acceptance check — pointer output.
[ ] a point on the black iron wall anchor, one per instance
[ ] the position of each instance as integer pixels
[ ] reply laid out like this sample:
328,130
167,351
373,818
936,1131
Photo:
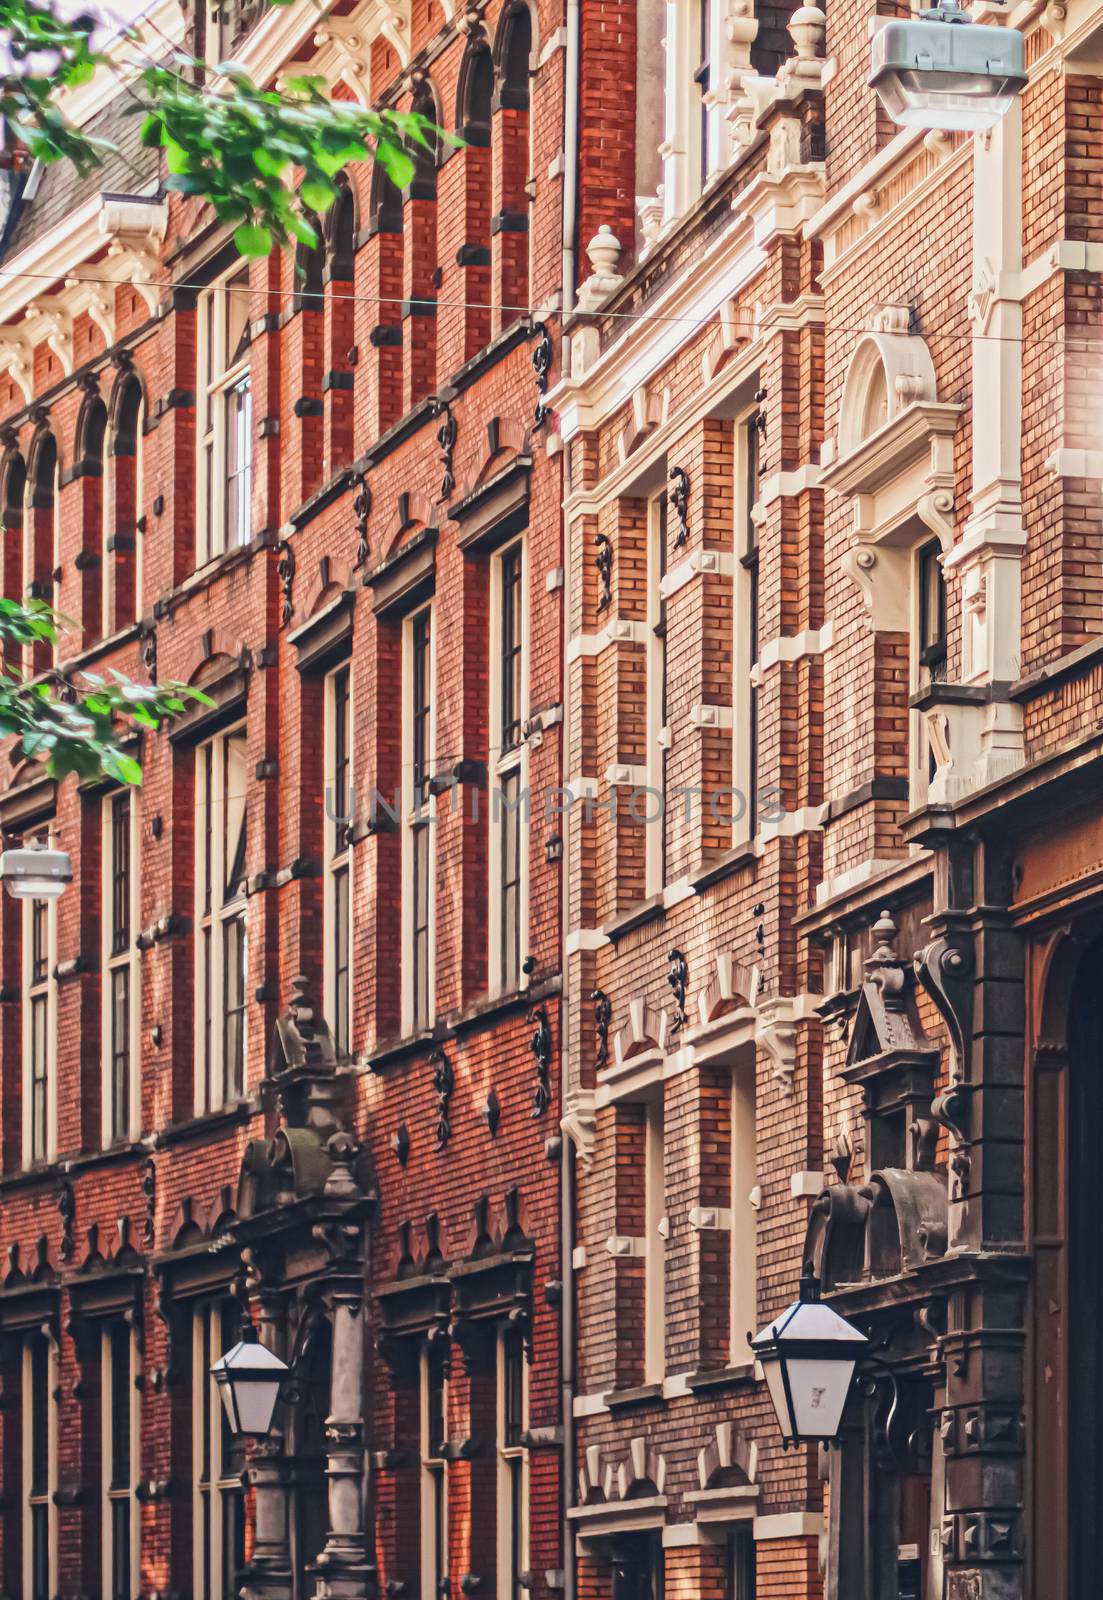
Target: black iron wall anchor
149,1189
149,653
761,395
285,570
679,501
603,561
446,438
541,1046
361,510
67,1211
603,1016
541,366
678,979
444,1082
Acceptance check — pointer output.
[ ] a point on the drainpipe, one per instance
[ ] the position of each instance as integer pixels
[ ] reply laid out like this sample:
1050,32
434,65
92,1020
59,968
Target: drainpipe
568,1161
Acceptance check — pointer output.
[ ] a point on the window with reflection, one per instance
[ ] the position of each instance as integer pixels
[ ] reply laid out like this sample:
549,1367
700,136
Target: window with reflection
221,945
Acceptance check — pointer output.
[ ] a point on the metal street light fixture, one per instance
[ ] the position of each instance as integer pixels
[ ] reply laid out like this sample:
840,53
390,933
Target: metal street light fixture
35,872
942,70
808,1355
249,1379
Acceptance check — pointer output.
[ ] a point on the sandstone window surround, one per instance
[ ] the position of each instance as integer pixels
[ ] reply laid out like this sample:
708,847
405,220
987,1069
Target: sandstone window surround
221,1008
337,854
39,962
509,767
659,735
120,1461
225,447
418,813
513,1464
893,460
41,531
433,1412
120,1000
218,1509
40,1465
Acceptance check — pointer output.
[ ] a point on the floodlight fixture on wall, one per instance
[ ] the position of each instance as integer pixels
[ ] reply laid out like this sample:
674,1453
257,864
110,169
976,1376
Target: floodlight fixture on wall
942,70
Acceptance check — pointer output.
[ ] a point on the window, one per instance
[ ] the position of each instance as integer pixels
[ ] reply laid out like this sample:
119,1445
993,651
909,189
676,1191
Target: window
218,1512
338,814
41,554
230,24
418,816
121,993
221,959
745,658
434,1472
929,748
119,1443
744,1232
123,502
654,1356
39,1030
39,1467
638,1566
658,734
512,1465
508,864
226,417
741,1565
703,79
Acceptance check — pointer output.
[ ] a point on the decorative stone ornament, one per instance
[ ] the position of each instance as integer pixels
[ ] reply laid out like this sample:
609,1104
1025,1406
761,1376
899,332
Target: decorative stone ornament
808,1355
942,71
604,251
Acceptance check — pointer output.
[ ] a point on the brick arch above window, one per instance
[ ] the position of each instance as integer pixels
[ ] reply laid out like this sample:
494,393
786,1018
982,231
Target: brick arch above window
475,94
125,413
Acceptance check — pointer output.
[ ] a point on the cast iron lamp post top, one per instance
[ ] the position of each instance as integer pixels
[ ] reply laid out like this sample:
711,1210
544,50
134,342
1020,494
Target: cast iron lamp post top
809,1354
942,70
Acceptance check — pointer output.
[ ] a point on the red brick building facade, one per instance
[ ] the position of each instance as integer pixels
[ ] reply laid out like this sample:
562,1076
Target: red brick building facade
643,838
288,1046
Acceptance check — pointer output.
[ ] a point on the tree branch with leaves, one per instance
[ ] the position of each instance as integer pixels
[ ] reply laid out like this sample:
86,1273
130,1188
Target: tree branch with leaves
225,139
78,723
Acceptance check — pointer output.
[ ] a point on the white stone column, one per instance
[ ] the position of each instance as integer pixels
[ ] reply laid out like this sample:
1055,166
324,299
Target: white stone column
988,559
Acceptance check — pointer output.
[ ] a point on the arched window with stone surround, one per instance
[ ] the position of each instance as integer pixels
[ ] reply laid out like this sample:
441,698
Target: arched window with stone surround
419,299
340,325
13,489
122,535
474,114
385,275
893,461
511,143
41,555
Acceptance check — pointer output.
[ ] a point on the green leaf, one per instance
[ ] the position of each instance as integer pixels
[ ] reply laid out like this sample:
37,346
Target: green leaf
252,240
317,195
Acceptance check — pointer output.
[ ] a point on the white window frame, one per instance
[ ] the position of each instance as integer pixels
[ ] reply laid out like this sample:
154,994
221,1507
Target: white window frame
125,960
212,923
746,642
209,1337
415,817
924,734
744,1208
434,1488
337,855
688,113
215,385
31,1425
108,501
510,1475
508,764
128,1491
43,991
658,733
655,1230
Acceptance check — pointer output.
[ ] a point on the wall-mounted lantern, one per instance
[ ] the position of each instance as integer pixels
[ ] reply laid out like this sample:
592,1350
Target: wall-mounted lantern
249,1379
809,1354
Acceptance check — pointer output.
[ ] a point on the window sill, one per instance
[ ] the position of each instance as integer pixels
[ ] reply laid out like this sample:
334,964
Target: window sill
204,1123
392,1051
709,872
647,1395
636,916
712,1381
489,1008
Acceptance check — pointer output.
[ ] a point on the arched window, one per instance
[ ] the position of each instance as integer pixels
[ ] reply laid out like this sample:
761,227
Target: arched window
122,513
341,232
91,433
475,99
310,261
14,488
425,156
514,47
40,533
386,203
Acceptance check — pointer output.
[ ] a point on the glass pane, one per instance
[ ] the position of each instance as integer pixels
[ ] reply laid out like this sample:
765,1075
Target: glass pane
39,1075
341,961
120,873
40,1416
40,1553
120,1550
120,1406
239,461
421,926
234,790
120,1052
514,1386
511,650
421,708
233,981
339,778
